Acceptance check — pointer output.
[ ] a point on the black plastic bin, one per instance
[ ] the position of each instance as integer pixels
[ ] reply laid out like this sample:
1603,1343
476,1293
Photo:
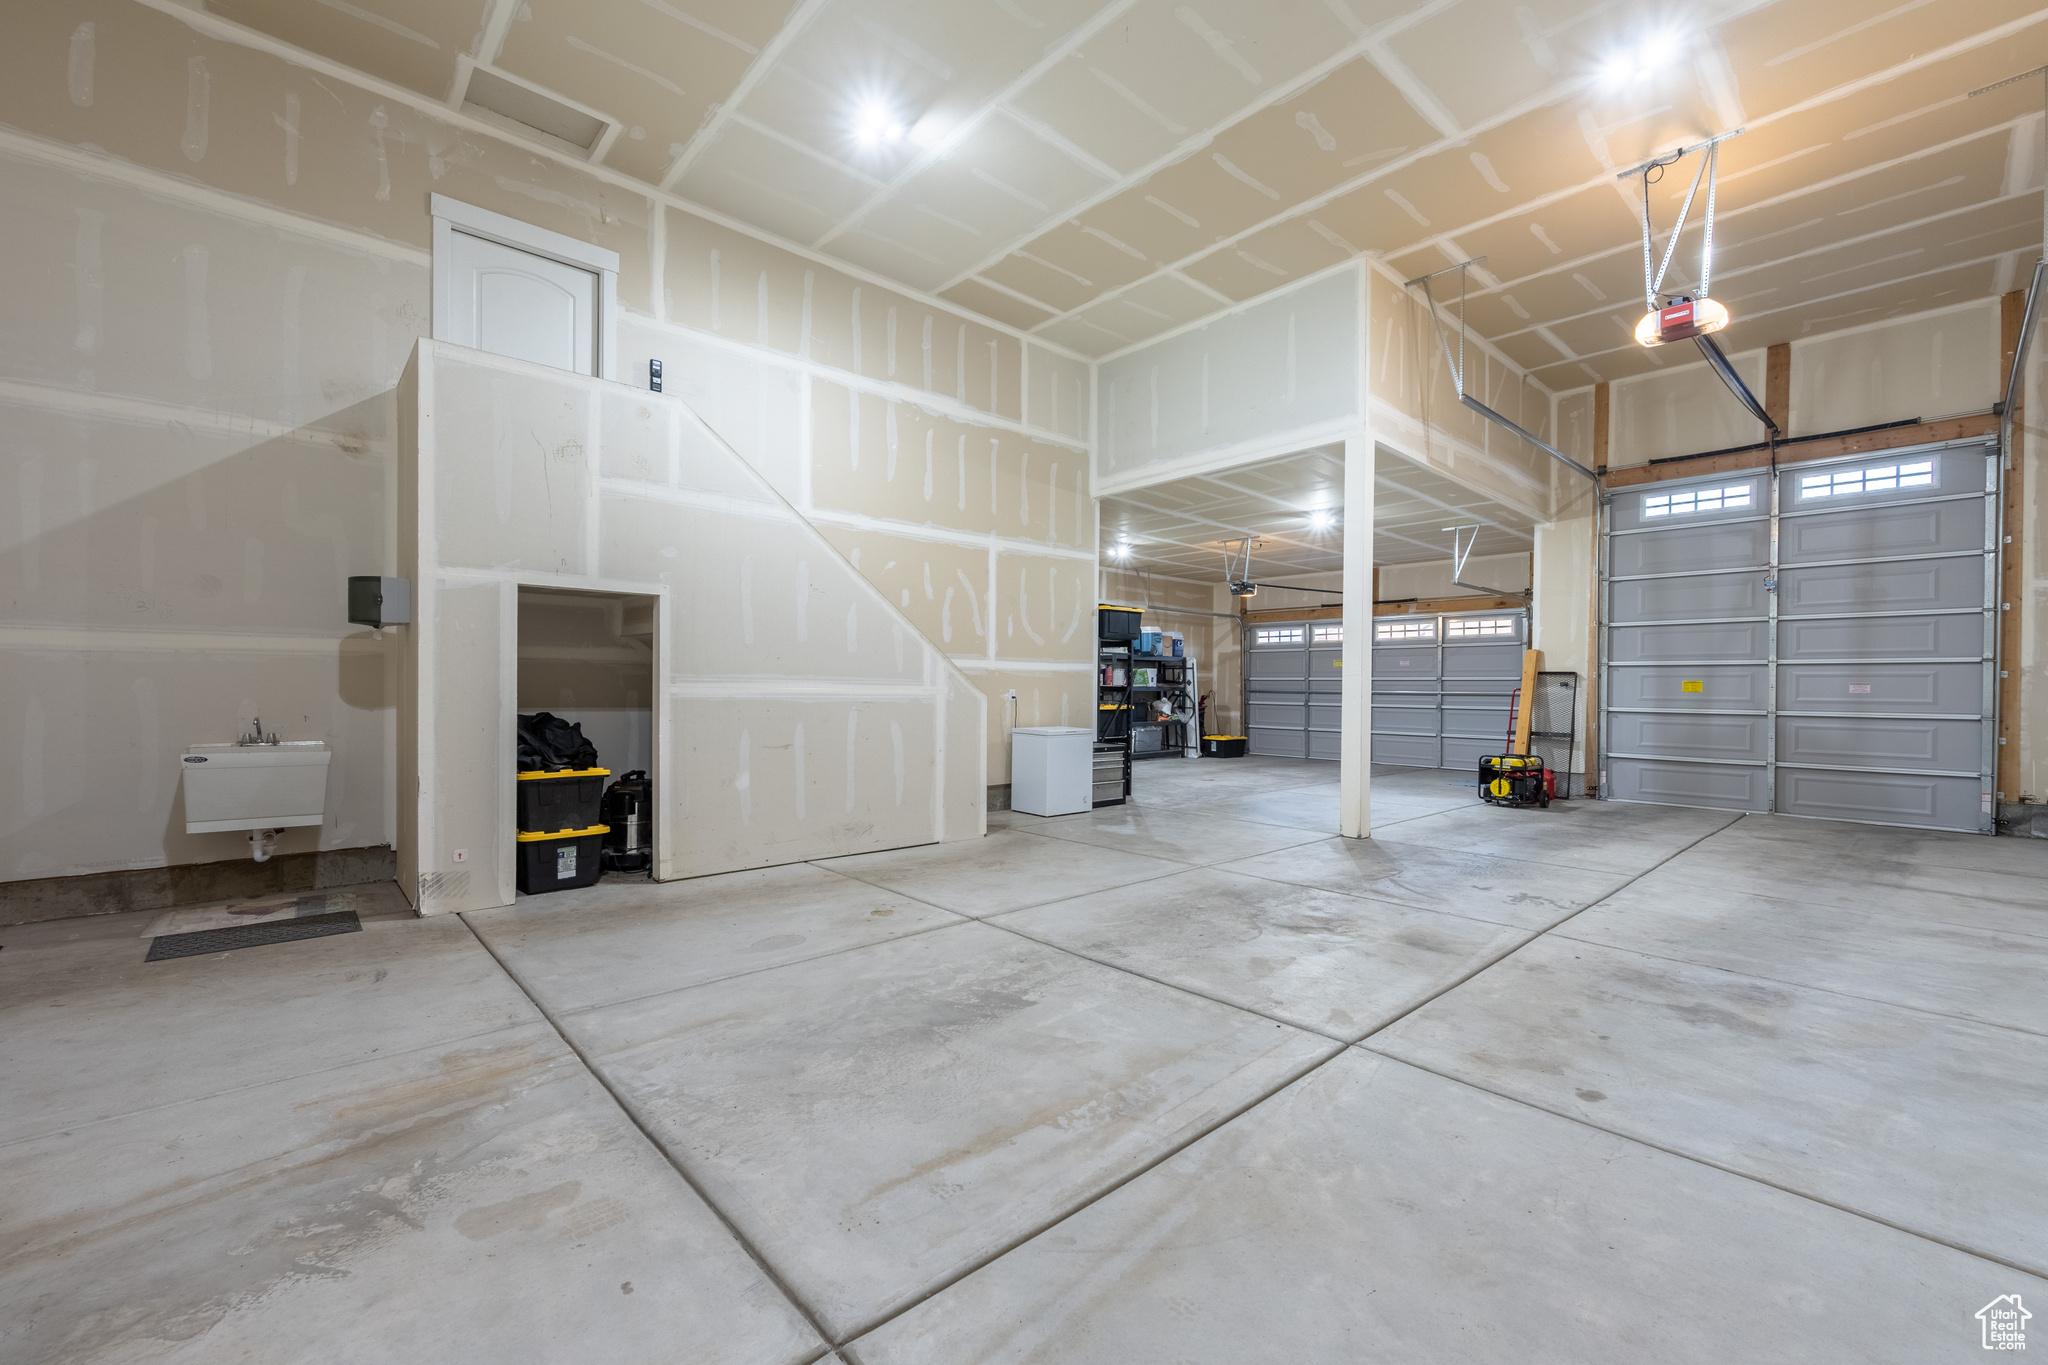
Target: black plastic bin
1222,746
568,799
556,862
1116,624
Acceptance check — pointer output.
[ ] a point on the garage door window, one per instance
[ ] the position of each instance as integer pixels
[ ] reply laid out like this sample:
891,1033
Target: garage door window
1329,635
1696,500
1279,635
1883,478
1471,628
1424,629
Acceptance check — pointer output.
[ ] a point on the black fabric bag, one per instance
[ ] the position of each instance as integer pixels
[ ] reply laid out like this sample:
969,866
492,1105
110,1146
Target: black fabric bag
547,743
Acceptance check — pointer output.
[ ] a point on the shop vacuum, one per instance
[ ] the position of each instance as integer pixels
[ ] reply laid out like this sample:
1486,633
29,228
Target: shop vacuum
627,811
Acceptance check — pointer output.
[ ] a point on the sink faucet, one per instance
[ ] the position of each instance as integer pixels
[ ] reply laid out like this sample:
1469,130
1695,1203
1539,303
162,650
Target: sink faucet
256,736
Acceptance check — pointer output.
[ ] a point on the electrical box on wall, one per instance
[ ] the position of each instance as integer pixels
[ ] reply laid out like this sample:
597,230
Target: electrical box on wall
654,376
379,602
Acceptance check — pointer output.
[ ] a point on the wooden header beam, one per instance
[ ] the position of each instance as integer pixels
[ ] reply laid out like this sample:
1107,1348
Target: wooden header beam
1821,448
1430,606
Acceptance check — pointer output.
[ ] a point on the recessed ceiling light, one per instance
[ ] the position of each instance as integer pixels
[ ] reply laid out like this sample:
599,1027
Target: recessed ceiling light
1638,62
1120,551
1321,519
875,124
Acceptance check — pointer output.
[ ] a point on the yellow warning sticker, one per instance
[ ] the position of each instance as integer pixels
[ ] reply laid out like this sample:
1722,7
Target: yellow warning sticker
1692,687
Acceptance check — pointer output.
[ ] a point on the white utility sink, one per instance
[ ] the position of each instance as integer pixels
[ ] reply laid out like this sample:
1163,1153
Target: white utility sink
255,786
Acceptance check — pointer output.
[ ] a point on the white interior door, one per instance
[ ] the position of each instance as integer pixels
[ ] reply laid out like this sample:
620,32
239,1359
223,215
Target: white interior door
512,302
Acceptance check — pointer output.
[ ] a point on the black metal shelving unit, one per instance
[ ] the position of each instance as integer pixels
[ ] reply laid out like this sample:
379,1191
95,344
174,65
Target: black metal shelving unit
1113,713
1173,676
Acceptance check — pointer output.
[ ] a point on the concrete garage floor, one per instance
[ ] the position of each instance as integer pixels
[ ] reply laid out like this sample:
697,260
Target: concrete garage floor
1188,1080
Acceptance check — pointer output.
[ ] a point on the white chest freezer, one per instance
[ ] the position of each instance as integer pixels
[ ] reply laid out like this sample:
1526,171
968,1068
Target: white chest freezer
1052,770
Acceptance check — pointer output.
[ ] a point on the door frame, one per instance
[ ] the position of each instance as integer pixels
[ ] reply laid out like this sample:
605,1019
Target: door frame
452,215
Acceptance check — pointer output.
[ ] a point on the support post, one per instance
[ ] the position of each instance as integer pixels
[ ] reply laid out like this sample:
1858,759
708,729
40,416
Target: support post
1355,758
1778,385
2011,559
1603,424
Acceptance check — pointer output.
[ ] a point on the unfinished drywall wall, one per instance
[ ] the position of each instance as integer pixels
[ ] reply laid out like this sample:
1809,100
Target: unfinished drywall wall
799,714
1415,409
1682,409
1431,579
1927,365
218,263
1278,374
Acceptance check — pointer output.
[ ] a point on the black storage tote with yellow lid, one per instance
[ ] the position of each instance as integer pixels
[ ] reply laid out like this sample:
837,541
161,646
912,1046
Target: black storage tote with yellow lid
561,860
569,799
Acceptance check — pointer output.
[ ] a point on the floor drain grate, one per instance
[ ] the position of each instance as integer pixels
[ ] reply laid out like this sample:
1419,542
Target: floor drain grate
252,935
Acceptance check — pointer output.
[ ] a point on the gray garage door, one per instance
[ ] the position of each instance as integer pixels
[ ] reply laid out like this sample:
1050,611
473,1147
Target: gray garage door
1294,685
1819,646
1441,686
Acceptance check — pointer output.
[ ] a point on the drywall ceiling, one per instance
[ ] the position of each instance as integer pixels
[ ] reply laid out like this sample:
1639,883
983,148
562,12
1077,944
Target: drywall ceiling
1104,172
1182,528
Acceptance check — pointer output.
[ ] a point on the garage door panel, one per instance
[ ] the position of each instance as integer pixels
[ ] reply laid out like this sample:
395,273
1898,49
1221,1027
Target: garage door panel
1888,637
1690,506
1956,689
1278,665
1872,533
1856,742
1481,687
1406,662
1961,470
1683,548
1413,751
1403,720
1271,743
1724,687
1914,585
1325,731
1326,669
1720,786
1728,738
1888,798
1465,753
1708,597
1717,643
1483,661
1267,711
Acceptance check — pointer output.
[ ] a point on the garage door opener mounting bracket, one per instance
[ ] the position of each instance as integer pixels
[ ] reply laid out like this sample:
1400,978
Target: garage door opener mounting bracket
1461,551
1695,316
1457,363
